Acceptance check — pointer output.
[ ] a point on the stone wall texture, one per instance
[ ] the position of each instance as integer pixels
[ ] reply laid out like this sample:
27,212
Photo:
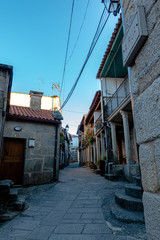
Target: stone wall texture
5,82
144,76
39,161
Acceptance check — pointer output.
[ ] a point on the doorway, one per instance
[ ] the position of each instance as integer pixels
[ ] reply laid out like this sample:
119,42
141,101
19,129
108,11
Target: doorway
12,160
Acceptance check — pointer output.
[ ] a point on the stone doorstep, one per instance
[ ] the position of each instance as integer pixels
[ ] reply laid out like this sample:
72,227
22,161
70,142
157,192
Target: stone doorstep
129,203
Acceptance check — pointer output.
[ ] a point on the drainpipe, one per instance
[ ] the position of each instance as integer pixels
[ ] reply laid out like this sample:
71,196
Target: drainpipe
56,155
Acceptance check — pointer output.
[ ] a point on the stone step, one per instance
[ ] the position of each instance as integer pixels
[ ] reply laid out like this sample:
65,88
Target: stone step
112,177
5,184
133,190
97,171
138,181
18,205
126,216
13,194
8,216
129,203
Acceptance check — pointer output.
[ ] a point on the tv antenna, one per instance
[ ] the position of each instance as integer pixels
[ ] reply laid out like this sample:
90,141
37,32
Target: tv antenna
57,86
40,81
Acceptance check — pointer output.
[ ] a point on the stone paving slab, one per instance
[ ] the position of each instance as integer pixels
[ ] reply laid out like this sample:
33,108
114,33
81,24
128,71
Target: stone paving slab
80,237
92,215
97,229
53,218
83,221
69,228
41,233
83,210
72,215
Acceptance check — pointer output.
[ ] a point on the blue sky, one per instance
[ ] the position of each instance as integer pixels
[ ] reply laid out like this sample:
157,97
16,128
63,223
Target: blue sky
33,40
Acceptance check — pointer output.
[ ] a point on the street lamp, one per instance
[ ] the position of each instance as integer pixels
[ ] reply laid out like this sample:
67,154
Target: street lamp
113,6
67,127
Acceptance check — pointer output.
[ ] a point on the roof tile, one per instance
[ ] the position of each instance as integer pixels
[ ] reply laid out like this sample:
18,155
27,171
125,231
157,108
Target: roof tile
25,113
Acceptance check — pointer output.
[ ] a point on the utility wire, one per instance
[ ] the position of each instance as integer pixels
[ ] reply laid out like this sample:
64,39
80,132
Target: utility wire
94,41
73,111
79,32
64,69
103,20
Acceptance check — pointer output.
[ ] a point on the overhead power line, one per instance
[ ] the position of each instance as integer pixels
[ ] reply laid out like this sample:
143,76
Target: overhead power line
73,111
64,69
79,32
103,20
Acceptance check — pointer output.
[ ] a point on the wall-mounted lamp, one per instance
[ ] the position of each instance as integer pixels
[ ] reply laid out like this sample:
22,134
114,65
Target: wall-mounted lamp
113,6
18,128
31,143
67,127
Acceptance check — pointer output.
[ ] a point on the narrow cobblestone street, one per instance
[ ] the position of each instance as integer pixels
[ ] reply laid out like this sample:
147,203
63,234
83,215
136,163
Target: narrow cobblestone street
69,210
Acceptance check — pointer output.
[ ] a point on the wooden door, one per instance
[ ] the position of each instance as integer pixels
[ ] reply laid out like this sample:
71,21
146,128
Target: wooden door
12,160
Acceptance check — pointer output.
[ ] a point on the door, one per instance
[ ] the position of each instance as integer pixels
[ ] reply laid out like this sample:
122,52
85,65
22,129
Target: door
12,160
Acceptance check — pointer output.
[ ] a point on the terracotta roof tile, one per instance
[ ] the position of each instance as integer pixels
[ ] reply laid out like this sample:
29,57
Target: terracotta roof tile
25,113
96,101
114,34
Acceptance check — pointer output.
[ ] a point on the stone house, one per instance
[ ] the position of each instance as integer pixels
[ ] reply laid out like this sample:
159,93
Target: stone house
141,54
6,75
95,150
80,133
73,148
117,108
30,152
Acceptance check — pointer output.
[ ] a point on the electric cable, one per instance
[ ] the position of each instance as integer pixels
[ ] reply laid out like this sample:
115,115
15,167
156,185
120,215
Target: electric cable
79,32
94,41
73,111
101,25
64,69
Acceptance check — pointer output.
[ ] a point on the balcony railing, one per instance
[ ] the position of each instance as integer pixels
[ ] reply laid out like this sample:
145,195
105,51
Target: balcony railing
118,97
98,124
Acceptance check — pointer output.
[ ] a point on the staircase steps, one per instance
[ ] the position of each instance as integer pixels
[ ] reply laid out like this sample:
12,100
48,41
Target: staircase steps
126,216
19,204
8,216
10,203
5,184
133,190
112,177
5,188
97,171
129,203
138,181
13,194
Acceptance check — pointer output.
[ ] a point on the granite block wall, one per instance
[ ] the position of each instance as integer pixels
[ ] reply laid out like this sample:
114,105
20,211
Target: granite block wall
144,76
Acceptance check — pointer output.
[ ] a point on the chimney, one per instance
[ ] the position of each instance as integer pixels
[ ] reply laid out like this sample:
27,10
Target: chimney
35,100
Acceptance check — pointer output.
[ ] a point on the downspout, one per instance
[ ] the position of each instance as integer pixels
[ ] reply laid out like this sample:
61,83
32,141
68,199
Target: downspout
55,157
56,160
